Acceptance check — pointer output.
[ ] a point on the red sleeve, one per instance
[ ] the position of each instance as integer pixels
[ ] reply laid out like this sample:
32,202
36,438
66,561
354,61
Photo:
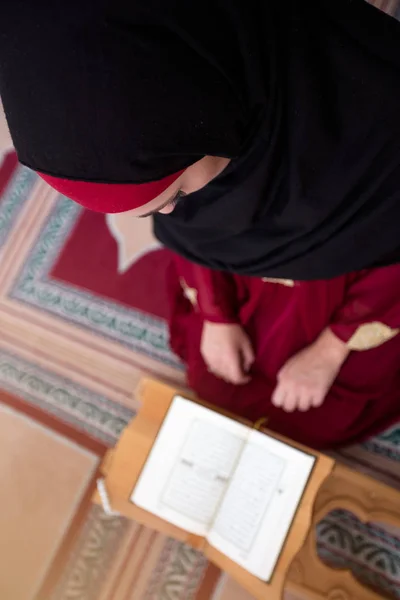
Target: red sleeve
212,293
370,315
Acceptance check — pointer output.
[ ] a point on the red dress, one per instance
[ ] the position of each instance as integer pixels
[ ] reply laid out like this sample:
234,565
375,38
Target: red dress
282,317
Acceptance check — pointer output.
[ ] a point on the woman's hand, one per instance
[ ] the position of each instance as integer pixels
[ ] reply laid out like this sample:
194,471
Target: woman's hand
306,378
227,351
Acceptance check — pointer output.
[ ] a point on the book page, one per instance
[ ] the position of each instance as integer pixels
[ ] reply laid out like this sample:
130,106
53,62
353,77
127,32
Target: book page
257,511
190,466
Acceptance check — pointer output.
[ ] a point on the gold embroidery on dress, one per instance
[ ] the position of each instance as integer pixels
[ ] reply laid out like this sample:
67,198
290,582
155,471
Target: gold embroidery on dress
189,293
287,282
371,335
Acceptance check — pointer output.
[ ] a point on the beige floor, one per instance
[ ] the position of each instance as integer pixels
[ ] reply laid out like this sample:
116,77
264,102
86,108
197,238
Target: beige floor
5,138
43,479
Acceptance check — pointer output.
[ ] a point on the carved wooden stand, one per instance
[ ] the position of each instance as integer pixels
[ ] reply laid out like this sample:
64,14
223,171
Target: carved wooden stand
308,577
299,569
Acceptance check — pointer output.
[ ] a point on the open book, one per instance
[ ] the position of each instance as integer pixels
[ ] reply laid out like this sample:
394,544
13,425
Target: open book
217,478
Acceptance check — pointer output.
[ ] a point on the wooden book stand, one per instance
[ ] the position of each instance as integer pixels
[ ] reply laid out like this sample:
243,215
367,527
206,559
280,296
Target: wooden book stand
298,569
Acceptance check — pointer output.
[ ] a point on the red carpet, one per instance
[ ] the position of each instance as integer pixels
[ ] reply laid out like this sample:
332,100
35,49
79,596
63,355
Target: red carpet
7,168
89,261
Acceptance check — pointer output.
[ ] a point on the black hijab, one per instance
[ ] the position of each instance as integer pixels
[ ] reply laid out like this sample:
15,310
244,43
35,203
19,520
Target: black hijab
302,96
316,193
120,90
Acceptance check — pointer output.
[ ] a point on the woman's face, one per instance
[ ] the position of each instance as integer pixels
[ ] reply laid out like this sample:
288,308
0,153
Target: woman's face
192,179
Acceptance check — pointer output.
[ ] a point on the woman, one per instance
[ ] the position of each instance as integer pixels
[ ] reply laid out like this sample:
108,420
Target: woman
278,122
318,359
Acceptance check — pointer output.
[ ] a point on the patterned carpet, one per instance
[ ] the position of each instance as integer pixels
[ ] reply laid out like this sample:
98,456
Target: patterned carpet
77,355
